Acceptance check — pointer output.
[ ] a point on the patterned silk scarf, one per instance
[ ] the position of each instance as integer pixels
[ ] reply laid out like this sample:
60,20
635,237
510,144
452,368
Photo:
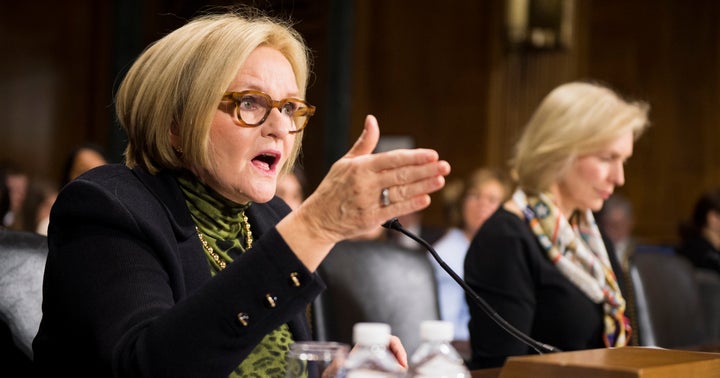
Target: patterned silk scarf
576,247
223,225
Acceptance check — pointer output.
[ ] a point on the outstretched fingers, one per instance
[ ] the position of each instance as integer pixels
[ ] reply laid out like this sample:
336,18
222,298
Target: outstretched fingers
413,192
389,160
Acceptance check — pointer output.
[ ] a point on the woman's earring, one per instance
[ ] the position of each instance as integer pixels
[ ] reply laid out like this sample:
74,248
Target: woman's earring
178,150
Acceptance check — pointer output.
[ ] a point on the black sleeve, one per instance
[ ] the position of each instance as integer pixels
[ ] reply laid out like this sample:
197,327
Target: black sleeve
498,268
120,298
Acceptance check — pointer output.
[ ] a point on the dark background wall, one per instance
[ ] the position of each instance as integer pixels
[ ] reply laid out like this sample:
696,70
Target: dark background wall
440,73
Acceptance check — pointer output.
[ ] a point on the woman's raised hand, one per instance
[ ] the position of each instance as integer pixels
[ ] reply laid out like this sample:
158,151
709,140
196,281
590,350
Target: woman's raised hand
361,191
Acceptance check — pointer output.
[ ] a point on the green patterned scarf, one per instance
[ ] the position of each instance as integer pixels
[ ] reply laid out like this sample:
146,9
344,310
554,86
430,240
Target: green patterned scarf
224,228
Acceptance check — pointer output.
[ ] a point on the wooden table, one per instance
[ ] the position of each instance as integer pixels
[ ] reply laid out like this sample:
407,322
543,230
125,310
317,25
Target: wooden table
628,362
486,373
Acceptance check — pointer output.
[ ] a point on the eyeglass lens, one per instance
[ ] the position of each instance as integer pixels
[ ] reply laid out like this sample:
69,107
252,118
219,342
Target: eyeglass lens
253,109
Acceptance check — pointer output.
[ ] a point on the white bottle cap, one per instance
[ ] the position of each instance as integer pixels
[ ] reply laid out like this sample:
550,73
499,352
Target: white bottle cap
436,330
371,333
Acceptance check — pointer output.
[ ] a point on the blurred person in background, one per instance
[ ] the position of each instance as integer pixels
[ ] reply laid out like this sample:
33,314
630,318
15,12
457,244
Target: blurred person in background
291,188
617,221
469,202
540,260
34,215
17,182
82,158
700,234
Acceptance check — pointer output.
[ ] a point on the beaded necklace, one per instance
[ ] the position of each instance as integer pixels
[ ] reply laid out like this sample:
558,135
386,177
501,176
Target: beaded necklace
221,261
221,225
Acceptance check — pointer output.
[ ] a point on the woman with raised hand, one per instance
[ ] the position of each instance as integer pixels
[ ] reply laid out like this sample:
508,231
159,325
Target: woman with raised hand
182,262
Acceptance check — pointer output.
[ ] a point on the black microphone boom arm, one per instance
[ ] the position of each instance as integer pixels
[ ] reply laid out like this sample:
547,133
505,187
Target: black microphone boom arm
539,347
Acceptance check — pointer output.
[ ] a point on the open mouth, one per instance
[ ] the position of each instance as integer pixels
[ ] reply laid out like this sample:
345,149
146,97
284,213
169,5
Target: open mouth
266,161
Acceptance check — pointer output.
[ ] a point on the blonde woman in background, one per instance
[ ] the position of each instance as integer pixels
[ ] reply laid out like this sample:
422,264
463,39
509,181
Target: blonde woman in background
540,260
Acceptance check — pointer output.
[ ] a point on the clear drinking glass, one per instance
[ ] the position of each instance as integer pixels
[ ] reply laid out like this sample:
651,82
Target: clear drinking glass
316,359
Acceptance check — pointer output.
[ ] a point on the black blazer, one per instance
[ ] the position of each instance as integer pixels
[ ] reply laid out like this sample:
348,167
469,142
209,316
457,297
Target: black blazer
128,291
509,269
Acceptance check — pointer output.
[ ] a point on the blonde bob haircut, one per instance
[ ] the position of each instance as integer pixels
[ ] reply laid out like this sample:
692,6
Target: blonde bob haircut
573,120
177,83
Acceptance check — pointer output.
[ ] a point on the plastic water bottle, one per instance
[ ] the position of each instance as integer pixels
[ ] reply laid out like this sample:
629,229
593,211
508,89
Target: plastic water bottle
436,357
371,357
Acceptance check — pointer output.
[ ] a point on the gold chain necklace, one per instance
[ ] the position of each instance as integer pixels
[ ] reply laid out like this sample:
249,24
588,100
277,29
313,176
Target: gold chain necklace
221,263
210,251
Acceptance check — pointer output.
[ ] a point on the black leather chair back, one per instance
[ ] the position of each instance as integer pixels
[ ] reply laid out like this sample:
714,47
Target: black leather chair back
375,281
669,308
22,265
709,285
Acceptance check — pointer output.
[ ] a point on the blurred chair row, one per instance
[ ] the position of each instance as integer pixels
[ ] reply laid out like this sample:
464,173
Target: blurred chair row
375,281
678,305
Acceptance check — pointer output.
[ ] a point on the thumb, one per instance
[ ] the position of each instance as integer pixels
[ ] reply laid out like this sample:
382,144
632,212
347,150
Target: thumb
368,140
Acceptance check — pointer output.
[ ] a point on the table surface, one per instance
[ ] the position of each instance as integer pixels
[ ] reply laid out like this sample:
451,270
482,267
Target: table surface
486,373
711,348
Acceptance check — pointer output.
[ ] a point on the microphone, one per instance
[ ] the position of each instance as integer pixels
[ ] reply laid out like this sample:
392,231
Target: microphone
540,348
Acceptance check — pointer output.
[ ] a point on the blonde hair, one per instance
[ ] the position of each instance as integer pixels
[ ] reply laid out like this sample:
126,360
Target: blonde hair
574,119
177,83
455,191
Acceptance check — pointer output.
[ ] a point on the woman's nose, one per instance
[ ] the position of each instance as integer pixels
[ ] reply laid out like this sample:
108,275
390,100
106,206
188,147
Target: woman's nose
619,174
277,123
